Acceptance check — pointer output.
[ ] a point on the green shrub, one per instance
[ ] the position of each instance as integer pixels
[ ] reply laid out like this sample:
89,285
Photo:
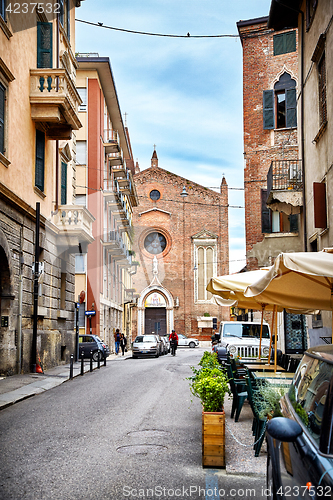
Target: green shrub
209,383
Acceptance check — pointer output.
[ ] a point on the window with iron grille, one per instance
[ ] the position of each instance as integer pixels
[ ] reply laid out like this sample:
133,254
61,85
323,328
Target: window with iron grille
322,89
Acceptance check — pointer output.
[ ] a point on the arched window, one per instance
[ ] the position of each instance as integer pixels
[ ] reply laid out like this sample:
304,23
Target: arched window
204,269
279,105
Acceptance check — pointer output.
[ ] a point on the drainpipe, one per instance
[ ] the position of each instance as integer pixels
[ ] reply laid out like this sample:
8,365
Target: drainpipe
20,295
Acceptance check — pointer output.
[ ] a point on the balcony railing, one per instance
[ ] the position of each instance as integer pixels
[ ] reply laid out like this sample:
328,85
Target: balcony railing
114,196
54,102
285,175
74,224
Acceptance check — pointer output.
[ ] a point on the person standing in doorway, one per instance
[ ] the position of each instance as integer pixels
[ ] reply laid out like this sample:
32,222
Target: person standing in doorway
117,340
123,343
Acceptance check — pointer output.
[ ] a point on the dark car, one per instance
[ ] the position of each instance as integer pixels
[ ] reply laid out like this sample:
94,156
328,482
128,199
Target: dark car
300,444
88,343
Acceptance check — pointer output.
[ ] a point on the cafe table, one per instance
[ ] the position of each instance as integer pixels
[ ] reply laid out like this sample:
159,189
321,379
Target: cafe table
278,378
260,367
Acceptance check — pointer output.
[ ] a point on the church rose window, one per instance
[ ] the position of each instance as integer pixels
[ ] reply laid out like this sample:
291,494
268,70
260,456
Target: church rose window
155,195
155,243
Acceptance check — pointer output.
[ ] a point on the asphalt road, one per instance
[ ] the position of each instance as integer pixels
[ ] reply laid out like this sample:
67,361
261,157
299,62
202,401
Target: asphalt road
128,430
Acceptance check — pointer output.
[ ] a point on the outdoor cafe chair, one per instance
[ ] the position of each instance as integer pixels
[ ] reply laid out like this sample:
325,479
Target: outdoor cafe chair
239,393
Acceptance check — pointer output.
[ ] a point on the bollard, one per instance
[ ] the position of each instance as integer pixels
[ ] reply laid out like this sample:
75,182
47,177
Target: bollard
71,366
104,358
91,361
82,363
98,358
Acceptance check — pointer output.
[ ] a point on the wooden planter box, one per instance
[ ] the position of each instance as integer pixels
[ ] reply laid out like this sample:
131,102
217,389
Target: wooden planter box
213,439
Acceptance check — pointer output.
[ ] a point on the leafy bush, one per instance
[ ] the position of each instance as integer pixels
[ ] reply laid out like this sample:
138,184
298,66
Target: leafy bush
266,399
209,383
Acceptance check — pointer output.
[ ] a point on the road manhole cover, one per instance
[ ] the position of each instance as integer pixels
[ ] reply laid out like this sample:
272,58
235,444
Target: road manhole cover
147,433
141,449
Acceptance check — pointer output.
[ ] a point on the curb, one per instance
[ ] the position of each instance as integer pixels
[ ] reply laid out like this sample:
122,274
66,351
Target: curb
40,386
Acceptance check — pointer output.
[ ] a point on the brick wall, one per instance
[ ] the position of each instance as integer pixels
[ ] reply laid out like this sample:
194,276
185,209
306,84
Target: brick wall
261,70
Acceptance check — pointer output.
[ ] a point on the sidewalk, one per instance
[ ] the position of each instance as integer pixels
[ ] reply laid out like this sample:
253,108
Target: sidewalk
19,387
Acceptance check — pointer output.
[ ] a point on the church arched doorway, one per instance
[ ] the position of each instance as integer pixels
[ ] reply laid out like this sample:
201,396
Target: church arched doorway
155,314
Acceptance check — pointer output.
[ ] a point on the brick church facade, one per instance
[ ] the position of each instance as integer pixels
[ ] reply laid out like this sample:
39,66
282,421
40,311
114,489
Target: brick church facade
180,242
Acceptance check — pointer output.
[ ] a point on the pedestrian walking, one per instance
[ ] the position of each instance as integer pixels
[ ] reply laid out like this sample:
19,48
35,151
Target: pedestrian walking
123,343
117,340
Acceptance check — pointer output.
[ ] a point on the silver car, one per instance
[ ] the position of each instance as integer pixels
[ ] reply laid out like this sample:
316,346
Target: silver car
146,345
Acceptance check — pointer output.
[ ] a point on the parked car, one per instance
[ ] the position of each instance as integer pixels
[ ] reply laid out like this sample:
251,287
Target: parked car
166,345
243,339
184,341
300,444
146,345
88,343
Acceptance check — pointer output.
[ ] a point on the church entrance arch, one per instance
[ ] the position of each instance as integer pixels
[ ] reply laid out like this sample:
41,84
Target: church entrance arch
155,314
155,311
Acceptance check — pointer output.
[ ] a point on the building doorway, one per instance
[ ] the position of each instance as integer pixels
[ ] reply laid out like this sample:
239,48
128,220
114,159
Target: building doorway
155,320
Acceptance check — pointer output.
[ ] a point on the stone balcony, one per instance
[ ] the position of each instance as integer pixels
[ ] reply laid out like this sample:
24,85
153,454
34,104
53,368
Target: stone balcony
74,223
54,102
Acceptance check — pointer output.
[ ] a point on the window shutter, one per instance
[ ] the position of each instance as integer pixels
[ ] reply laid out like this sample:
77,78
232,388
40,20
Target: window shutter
3,9
319,201
63,183
2,118
278,44
265,213
291,104
44,45
290,41
268,109
293,219
40,160
283,43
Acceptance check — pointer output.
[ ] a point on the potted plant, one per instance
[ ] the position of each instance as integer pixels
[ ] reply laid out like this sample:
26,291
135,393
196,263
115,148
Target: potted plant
210,384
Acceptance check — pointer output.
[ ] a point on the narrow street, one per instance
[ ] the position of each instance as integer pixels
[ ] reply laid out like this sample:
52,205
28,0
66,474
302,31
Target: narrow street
126,431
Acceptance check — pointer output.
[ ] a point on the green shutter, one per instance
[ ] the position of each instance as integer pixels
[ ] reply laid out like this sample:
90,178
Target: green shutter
266,226
293,219
290,42
68,20
2,118
44,45
63,183
278,44
40,160
283,43
268,109
291,108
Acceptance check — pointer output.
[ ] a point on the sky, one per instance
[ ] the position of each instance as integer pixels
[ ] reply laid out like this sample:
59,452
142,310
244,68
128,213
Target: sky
183,95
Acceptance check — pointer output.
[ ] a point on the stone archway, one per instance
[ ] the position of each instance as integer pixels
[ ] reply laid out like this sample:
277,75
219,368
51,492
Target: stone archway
169,305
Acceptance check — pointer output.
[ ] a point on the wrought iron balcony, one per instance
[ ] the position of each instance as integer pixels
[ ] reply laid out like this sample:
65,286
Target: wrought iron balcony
54,102
285,183
115,244
74,223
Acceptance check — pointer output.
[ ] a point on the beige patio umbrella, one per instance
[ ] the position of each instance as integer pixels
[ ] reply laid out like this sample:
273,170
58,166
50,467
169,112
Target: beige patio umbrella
228,290
300,280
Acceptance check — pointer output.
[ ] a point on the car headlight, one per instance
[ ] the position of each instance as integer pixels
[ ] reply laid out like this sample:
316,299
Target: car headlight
265,351
232,349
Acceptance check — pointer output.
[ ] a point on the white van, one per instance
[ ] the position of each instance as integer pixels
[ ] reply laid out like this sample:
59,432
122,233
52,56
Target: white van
242,339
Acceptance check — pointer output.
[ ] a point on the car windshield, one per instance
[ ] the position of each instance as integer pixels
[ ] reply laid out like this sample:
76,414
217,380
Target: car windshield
243,330
145,338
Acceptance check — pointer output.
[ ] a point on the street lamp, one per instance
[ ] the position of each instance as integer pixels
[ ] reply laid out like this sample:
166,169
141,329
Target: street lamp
184,193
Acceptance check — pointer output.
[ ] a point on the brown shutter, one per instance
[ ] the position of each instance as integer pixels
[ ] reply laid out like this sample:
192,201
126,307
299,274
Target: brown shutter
319,201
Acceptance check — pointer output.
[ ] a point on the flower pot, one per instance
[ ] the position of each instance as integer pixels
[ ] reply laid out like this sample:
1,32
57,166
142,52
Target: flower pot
213,439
